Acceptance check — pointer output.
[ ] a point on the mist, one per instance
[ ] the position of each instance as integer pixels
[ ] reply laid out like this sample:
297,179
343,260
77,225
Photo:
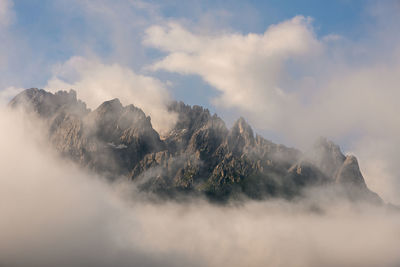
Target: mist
55,214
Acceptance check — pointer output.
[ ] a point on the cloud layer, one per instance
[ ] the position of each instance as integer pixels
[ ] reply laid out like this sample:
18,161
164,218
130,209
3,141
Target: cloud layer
54,214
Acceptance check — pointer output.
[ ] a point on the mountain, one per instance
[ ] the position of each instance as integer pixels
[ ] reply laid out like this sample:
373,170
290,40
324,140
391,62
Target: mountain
199,156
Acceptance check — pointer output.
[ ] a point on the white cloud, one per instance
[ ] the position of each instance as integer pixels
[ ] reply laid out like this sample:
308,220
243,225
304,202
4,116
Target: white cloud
246,69
96,82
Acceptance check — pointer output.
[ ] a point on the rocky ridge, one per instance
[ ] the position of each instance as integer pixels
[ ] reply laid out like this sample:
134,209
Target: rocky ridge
200,155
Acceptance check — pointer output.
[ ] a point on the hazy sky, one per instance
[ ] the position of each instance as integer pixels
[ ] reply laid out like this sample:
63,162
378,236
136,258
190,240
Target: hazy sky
295,70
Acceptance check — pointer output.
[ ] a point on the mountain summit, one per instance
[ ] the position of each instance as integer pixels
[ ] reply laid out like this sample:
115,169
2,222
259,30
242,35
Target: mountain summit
200,155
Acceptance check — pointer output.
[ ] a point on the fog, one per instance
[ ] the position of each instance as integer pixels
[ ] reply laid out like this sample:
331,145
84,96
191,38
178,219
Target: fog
56,214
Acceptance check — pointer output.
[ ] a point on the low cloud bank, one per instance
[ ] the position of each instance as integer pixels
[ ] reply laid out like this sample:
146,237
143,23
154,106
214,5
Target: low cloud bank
55,214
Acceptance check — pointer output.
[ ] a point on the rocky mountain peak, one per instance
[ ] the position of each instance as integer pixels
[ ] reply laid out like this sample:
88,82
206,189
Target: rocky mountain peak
199,155
113,105
241,136
47,104
328,148
113,114
189,117
327,156
350,173
242,128
194,124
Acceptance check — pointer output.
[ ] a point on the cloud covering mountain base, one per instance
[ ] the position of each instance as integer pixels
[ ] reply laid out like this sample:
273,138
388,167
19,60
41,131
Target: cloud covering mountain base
53,213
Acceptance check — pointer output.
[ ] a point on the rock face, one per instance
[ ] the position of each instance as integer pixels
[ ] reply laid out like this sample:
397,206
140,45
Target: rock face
200,155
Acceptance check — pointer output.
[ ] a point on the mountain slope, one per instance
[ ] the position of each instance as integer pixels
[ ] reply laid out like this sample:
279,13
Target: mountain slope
200,155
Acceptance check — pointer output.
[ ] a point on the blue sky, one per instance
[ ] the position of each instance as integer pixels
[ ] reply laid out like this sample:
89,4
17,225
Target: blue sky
294,69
